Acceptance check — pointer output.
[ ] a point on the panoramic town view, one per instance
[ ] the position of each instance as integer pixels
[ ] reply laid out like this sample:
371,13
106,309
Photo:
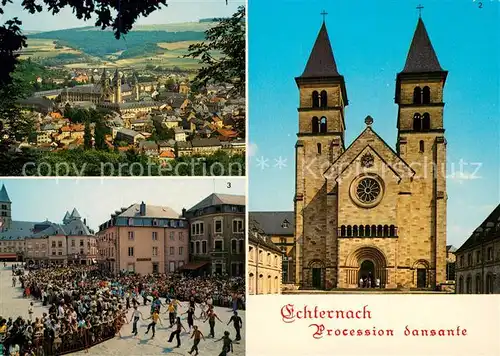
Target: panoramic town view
144,273
165,98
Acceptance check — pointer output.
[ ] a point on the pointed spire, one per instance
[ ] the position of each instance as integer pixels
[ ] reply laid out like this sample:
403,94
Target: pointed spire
421,56
75,214
4,197
321,62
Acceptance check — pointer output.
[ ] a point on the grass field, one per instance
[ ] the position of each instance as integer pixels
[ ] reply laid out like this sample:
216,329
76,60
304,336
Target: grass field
44,48
177,45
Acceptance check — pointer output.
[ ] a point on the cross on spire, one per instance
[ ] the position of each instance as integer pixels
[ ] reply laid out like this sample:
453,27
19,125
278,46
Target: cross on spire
419,8
324,13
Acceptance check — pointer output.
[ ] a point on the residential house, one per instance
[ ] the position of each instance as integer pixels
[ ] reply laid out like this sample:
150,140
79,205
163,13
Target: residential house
279,227
180,134
264,263
144,239
217,234
478,259
130,136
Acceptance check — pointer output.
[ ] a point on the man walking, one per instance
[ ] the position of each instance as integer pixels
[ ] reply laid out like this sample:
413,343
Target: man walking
238,324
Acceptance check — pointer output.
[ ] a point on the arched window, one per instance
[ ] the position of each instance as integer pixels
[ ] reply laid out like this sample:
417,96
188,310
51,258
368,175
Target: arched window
421,146
417,95
324,99
367,231
392,230
461,285
426,122
386,230
374,231
322,125
349,231
251,284
478,284
315,125
342,230
489,284
380,232
319,148
361,231
417,122
315,99
468,285
426,95
355,232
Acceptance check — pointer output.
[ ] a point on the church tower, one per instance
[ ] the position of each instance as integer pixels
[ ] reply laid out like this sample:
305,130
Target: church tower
421,143
106,91
5,209
117,86
136,88
323,97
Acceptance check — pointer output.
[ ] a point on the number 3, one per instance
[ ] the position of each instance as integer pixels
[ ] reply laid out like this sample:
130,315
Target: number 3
229,184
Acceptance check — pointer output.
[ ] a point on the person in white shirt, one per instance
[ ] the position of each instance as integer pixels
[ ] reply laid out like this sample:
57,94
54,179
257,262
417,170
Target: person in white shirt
60,312
135,317
30,312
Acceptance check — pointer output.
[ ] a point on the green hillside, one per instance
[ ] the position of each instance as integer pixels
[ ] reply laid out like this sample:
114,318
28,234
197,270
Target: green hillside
103,43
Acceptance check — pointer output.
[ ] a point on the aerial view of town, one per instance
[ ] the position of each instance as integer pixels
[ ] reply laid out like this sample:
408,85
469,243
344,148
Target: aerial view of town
165,98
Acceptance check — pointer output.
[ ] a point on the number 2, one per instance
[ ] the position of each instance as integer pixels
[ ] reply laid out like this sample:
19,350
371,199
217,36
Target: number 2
480,5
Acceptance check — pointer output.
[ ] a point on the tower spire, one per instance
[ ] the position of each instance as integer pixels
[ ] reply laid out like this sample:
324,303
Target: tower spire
421,55
321,61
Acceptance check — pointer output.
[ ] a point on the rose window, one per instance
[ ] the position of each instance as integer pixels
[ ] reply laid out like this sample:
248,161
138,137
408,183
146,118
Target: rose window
368,190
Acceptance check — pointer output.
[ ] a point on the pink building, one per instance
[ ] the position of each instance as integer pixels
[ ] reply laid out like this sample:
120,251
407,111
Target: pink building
144,239
71,242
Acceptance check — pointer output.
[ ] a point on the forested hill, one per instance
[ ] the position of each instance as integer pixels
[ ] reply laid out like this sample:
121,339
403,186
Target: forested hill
98,43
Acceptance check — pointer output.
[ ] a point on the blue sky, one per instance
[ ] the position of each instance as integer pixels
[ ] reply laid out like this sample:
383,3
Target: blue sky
176,12
97,199
370,41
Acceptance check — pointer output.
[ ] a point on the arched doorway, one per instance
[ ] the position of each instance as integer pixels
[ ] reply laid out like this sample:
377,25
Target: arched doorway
317,274
367,270
367,264
421,274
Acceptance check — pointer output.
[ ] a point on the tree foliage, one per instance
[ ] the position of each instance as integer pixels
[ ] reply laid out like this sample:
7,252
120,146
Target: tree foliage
228,40
80,162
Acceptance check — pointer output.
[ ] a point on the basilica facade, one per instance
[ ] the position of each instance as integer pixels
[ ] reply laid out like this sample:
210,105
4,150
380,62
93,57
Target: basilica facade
367,211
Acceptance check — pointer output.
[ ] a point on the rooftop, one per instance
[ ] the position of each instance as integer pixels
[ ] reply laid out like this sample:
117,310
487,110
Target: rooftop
152,211
220,199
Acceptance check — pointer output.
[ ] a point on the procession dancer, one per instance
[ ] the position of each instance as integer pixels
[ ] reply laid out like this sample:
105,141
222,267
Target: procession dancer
227,345
177,332
190,317
211,321
155,318
238,324
171,313
135,315
197,335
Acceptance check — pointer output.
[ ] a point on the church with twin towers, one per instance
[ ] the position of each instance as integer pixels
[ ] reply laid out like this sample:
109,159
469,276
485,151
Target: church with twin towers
366,213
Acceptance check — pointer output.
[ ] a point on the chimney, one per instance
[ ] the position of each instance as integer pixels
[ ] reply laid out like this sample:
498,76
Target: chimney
142,210
183,212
